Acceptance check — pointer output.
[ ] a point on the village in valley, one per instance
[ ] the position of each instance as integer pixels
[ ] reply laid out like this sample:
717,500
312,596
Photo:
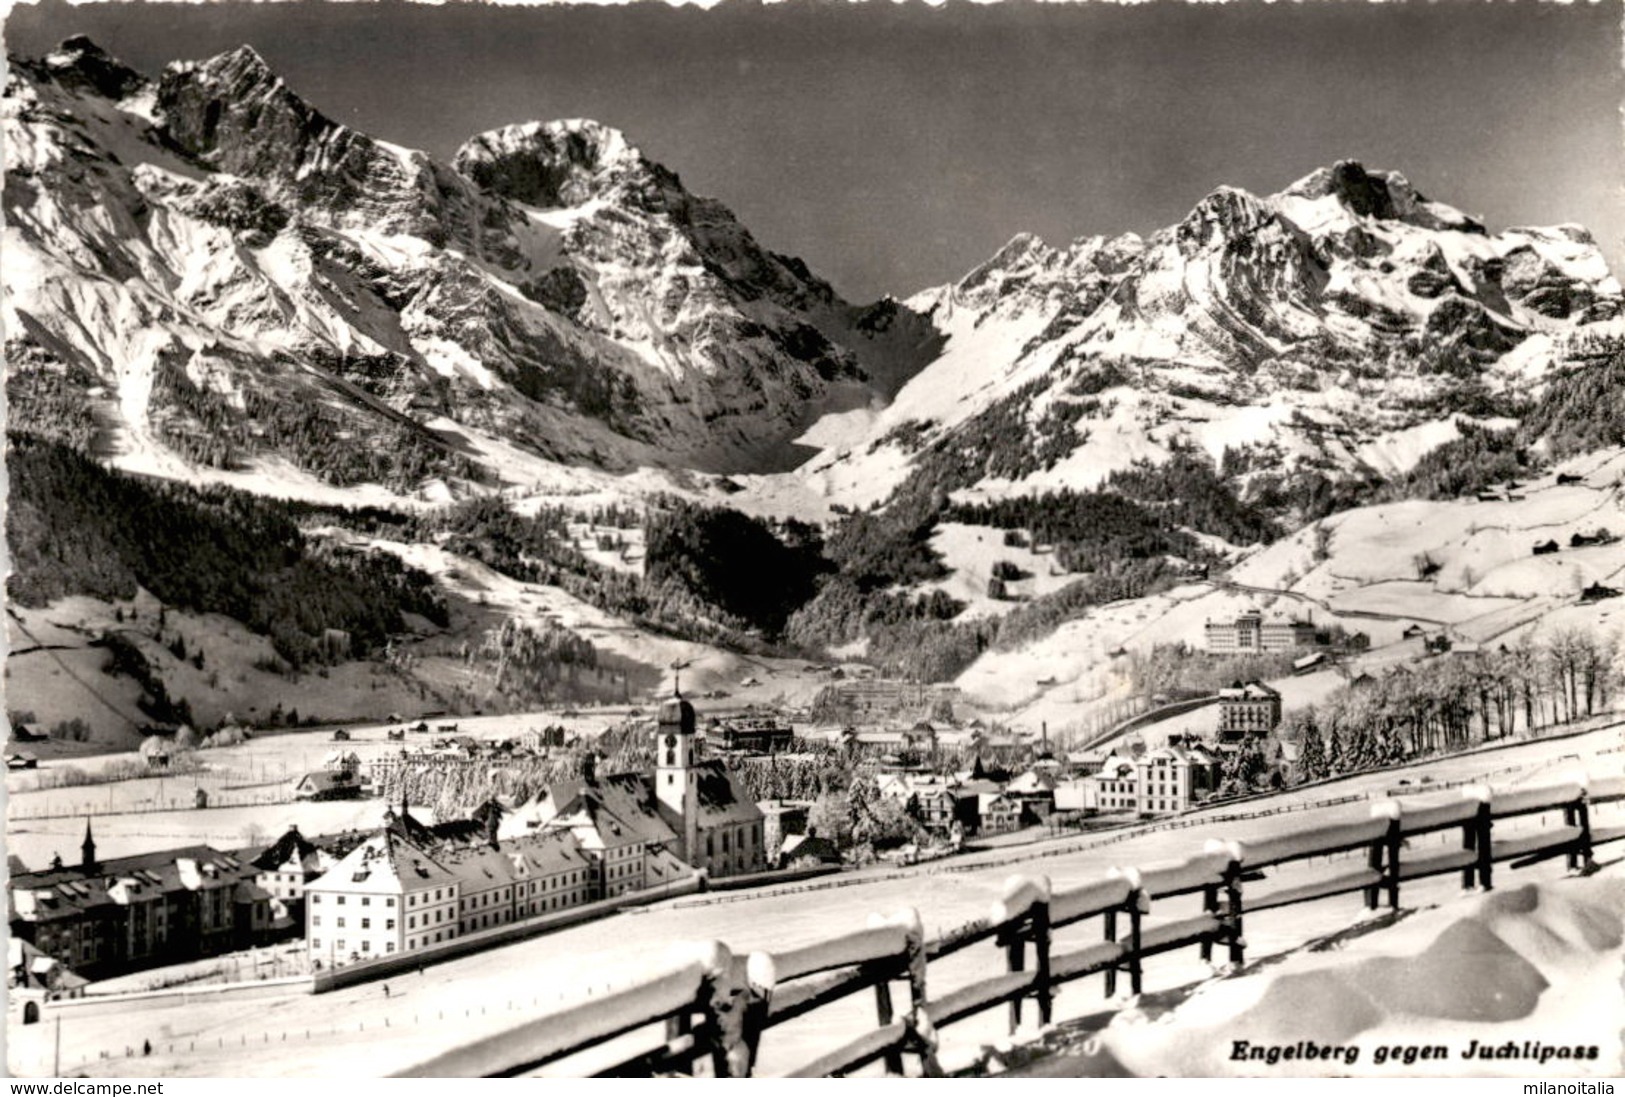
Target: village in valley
419,840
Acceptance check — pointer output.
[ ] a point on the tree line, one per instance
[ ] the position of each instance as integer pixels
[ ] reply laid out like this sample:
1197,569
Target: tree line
1454,701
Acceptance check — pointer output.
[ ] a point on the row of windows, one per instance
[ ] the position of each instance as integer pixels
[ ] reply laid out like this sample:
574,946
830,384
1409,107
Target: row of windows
366,923
748,838
366,900
485,899
481,921
555,902
340,946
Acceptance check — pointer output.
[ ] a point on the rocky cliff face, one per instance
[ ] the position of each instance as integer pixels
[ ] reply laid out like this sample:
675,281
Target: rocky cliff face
1330,327
205,269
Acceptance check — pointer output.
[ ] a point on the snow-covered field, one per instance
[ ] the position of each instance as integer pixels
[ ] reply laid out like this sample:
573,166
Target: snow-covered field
1364,574
971,551
256,775
475,995
56,672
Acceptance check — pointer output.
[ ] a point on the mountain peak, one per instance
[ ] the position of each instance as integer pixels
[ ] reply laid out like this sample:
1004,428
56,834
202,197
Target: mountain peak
1227,213
560,163
1362,192
80,61
233,71
1383,196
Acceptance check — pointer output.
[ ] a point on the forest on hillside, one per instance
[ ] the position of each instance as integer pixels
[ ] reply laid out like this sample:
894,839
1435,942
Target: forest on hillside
75,527
1577,410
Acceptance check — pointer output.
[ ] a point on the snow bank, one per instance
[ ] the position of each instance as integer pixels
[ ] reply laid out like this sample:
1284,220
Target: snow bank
1530,974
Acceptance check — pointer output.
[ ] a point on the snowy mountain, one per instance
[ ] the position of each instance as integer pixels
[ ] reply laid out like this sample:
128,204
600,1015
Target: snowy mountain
203,271
207,279
1343,326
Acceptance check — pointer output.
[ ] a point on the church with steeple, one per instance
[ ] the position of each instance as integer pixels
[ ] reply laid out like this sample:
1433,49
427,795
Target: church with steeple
688,808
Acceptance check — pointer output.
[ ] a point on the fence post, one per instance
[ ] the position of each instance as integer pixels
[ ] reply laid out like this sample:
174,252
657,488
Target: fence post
1474,833
1230,923
761,978
1484,824
1578,814
1041,947
1030,920
720,1002
1139,903
1015,952
919,1035
1210,905
1111,935
1373,861
1383,857
1395,843
910,965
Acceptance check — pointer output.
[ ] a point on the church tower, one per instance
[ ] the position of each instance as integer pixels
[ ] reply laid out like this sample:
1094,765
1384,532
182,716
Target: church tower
676,784
87,850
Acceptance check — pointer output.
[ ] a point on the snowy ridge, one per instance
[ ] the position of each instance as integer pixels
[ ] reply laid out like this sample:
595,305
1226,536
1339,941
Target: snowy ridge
1325,325
201,246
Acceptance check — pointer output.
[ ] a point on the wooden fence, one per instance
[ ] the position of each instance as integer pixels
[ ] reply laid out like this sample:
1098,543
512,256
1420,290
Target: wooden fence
716,1009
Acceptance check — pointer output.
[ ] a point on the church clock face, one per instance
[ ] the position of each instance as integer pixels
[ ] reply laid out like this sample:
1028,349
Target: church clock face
671,740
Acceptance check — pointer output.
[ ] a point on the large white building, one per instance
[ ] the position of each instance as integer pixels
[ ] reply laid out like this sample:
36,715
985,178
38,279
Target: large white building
1167,779
385,896
1253,632
412,886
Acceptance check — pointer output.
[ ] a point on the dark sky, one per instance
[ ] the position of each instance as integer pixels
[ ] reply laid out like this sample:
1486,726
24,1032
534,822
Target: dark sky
895,146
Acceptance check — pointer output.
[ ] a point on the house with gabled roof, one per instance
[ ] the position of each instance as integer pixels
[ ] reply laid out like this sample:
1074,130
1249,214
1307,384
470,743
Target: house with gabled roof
616,844
996,813
1250,709
329,784
387,895
33,978
283,870
1116,786
1173,778
1033,792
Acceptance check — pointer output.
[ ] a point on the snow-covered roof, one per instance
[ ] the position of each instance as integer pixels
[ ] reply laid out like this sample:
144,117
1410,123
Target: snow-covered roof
385,864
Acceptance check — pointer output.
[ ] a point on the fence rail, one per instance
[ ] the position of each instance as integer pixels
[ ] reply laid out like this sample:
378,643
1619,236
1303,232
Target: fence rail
717,1010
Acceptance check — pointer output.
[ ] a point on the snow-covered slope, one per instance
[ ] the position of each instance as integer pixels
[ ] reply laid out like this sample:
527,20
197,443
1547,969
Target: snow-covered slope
1344,325
204,272
1464,568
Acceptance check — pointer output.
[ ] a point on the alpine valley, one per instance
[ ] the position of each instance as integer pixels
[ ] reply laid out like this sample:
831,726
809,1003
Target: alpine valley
300,416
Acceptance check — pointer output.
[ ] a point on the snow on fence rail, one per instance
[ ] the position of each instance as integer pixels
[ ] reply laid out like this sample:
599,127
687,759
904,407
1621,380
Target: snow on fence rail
717,1010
